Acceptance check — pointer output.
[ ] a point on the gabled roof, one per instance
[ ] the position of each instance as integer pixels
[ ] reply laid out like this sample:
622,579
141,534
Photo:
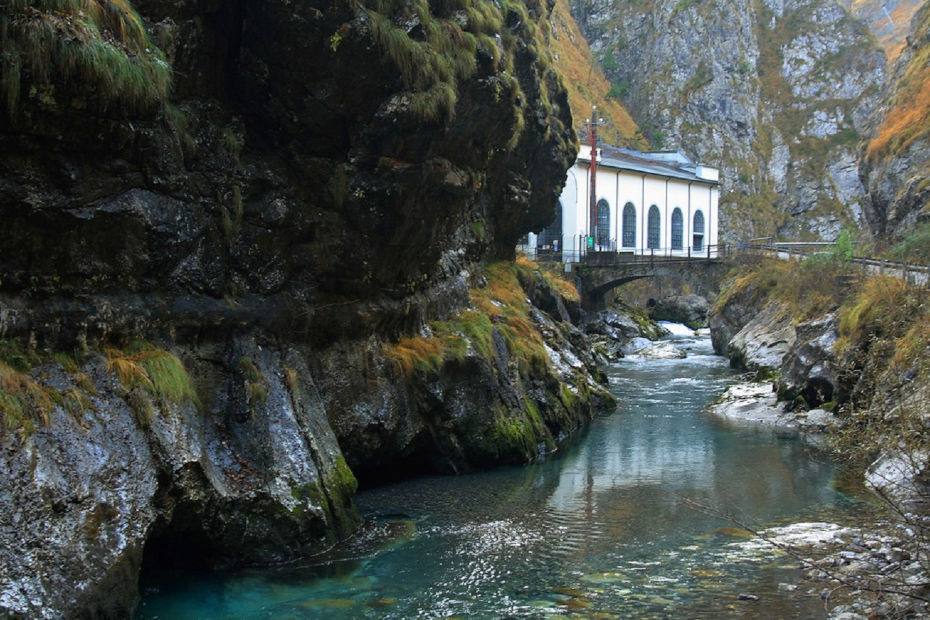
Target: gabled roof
659,163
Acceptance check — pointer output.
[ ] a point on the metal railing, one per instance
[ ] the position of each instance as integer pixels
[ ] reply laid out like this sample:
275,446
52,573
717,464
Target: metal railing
788,250
609,258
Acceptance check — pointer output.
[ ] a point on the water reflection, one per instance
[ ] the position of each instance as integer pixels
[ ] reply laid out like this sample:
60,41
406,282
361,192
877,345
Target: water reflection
602,528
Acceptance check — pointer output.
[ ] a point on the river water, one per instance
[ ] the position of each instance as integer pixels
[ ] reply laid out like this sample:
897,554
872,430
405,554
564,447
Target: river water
607,529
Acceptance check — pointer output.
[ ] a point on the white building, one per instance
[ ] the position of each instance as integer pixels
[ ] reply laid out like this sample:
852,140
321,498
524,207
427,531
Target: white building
655,203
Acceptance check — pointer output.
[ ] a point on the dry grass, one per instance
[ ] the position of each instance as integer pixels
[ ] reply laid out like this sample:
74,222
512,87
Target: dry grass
155,372
585,81
500,305
908,118
553,278
414,352
888,310
881,303
505,301
914,346
23,401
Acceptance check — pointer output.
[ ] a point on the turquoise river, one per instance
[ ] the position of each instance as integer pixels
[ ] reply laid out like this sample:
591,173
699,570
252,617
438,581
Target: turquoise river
605,529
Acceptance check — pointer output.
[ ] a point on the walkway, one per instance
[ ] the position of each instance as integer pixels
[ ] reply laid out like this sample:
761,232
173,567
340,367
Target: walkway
912,273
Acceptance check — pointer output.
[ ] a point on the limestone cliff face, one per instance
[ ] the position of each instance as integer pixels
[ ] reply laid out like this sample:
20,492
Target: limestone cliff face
777,93
895,161
277,196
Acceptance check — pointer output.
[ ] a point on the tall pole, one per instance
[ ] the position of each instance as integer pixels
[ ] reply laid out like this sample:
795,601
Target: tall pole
592,124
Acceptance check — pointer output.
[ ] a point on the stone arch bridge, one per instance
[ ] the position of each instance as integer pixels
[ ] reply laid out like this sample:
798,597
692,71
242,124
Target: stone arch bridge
598,273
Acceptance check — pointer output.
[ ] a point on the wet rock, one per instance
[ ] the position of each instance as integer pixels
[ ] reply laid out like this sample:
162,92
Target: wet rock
636,345
690,310
622,326
763,343
753,405
85,496
901,476
661,351
808,369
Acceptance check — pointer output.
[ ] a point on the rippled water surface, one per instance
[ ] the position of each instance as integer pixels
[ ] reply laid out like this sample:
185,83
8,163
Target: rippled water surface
606,528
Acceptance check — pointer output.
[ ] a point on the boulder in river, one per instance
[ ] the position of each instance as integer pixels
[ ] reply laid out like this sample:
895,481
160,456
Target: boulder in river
661,351
753,405
764,341
690,310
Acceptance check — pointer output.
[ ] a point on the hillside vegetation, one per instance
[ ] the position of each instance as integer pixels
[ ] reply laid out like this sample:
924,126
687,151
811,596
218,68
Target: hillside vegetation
896,159
586,84
890,21
908,118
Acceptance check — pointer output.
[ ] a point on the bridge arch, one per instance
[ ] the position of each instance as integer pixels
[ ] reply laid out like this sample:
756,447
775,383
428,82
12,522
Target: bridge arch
596,280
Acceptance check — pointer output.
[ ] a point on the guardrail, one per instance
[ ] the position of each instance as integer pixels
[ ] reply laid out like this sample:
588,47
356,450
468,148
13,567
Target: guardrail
608,258
909,272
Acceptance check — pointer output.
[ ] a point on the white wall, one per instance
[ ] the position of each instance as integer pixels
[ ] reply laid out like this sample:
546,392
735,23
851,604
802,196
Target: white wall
572,196
619,187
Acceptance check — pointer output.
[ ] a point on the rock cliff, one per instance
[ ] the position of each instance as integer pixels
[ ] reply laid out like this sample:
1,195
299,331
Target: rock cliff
294,204
895,162
777,93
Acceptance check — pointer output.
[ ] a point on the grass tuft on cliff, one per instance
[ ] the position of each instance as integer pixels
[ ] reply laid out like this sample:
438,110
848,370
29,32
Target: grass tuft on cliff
25,402
914,247
809,288
144,370
98,49
501,305
887,308
434,46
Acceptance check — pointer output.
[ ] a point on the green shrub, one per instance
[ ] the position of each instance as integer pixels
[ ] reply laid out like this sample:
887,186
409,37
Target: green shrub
914,247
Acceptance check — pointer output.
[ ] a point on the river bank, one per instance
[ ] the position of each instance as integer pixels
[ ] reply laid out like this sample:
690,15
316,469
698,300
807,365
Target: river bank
836,357
599,528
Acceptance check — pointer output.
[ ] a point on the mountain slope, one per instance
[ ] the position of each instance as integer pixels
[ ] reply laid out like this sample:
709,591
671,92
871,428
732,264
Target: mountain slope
890,20
585,81
777,93
896,160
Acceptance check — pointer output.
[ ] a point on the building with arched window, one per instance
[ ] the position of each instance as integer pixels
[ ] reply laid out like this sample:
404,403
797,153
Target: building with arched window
656,203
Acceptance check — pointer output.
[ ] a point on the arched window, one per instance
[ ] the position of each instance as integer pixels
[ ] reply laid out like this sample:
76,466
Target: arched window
698,232
551,236
629,225
678,230
654,229
602,227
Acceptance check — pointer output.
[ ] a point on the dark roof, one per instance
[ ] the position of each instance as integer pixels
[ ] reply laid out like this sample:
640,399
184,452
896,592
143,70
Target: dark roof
659,163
